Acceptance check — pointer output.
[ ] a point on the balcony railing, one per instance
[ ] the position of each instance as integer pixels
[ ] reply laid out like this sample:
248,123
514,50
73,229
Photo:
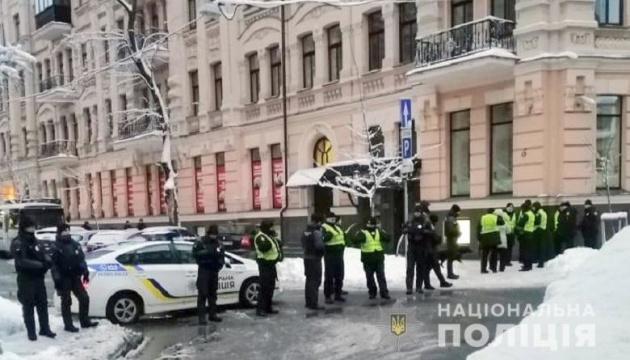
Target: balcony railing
51,83
144,125
56,13
57,148
464,40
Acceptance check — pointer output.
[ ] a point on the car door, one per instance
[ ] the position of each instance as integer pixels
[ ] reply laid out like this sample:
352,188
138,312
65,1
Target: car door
231,276
189,269
160,275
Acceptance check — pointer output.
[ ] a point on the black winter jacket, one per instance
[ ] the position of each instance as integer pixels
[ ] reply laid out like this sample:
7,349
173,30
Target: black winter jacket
68,259
209,253
590,222
30,258
313,242
420,232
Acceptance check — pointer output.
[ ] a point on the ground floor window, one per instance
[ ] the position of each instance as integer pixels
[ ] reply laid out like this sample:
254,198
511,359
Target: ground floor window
460,153
608,147
501,148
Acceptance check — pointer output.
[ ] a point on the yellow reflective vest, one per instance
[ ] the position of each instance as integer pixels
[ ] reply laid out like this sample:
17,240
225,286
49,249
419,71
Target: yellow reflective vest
337,235
529,225
372,243
270,255
543,219
489,224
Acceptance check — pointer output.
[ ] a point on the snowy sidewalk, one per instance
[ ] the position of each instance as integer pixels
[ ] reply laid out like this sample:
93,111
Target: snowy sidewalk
291,273
106,341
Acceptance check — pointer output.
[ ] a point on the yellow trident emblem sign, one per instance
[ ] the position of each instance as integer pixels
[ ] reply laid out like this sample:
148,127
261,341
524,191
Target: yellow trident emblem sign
398,324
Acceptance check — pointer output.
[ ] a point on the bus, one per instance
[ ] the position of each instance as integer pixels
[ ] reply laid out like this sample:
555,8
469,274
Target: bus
43,214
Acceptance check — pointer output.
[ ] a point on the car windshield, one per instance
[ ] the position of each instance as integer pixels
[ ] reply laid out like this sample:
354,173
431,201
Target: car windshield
106,238
97,254
240,229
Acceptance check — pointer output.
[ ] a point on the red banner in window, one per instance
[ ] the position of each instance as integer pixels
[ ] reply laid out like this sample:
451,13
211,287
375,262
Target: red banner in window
221,187
199,189
114,193
162,179
129,181
277,169
256,183
150,191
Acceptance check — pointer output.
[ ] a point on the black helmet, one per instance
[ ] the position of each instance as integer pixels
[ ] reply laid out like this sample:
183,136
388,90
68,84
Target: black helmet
266,225
455,208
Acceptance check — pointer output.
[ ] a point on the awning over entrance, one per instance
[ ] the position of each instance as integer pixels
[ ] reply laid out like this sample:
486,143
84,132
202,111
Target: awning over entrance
312,177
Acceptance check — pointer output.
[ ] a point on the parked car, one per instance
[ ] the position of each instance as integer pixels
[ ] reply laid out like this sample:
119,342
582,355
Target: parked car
47,236
134,279
164,233
237,237
105,238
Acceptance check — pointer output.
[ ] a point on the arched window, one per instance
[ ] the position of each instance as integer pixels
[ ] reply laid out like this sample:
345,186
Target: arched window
323,152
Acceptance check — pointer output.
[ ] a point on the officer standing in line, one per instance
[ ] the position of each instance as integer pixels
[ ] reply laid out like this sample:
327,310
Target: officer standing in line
540,234
452,232
526,226
565,220
268,254
31,265
489,235
371,239
334,239
432,259
510,215
590,225
69,268
418,231
210,257
313,246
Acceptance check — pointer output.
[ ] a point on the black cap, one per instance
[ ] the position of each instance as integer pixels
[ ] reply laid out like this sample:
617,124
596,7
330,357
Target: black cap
371,221
528,202
212,230
330,214
266,225
537,204
509,204
25,222
62,227
455,208
315,218
588,202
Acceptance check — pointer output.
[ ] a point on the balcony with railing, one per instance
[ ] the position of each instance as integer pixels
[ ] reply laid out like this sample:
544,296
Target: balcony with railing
58,152
142,133
54,21
57,89
478,50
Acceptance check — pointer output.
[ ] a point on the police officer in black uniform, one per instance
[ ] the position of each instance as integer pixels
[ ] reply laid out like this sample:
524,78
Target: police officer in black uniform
313,246
419,233
69,268
210,258
31,265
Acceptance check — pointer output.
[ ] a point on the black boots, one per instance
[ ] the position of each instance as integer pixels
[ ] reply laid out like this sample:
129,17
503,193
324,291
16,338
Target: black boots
89,324
71,329
329,301
47,333
214,318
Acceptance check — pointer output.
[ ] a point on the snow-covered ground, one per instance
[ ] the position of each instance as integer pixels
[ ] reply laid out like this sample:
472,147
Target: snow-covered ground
291,273
592,317
103,342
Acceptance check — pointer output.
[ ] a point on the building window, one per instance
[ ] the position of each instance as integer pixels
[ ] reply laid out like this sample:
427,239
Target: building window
308,61
70,65
114,192
84,56
256,178
150,191
323,152
608,161
460,153
335,60
501,139
129,186
609,12
221,182
217,72
16,24
110,117
254,78
106,48
277,171
504,9
194,92
407,31
192,13
276,74
198,185
376,40
461,12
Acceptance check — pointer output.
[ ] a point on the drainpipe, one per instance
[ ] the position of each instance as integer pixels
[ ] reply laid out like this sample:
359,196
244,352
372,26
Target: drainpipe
284,121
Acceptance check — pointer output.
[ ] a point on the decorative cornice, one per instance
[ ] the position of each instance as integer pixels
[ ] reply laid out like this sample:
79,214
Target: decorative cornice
613,43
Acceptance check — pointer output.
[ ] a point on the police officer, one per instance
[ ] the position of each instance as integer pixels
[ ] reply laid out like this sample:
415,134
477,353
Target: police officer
313,246
452,233
432,259
69,268
510,215
31,265
268,253
540,234
489,239
210,257
418,232
565,220
334,239
590,225
525,227
371,239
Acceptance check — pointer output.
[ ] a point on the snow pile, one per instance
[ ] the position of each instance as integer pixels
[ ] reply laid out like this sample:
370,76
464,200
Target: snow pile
570,260
593,319
291,274
106,341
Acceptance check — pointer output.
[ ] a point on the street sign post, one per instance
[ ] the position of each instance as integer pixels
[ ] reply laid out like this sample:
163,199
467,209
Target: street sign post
406,149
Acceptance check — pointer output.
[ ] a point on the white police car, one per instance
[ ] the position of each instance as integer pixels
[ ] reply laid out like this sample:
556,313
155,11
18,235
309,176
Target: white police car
134,279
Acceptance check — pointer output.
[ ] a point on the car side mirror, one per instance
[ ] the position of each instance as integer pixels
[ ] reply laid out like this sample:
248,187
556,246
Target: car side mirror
227,261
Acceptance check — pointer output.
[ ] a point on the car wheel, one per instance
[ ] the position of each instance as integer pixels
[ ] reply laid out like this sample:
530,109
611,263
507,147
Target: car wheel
124,308
249,292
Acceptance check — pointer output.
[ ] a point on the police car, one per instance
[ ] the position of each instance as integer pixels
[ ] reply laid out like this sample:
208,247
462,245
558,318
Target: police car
134,279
